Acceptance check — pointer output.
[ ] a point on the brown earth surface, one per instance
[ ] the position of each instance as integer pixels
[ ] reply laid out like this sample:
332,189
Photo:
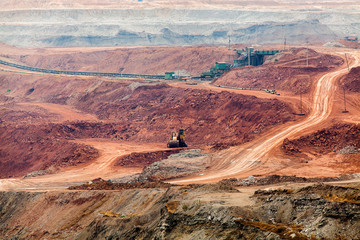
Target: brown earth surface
351,81
261,156
139,60
338,144
29,148
284,71
59,109
143,112
143,159
326,140
154,110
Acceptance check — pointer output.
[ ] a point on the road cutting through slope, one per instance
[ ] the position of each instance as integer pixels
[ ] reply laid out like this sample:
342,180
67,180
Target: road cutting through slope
236,161
101,167
233,162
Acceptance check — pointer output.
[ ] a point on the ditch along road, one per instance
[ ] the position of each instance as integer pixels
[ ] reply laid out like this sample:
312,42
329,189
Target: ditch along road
248,159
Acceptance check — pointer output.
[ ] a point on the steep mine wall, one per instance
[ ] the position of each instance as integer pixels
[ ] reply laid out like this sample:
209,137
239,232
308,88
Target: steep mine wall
182,212
177,26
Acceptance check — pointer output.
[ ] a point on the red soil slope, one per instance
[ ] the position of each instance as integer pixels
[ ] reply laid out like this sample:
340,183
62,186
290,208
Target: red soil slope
326,140
351,81
142,60
24,149
135,112
289,72
151,112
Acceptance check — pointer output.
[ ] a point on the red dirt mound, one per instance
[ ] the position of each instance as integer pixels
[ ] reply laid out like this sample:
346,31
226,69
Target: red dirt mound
351,81
24,149
151,112
286,71
143,159
325,141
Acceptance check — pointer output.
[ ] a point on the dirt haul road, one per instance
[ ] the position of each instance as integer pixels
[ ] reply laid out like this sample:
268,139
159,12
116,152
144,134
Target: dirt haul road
241,161
101,167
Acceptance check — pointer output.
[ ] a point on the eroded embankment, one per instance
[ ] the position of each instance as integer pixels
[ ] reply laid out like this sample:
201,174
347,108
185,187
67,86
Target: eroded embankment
335,147
25,149
326,140
351,81
339,144
196,211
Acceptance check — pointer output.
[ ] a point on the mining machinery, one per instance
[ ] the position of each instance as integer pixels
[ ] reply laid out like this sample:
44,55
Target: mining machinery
177,139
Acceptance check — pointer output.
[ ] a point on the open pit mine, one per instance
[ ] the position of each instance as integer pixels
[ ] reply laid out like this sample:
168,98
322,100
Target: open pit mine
179,119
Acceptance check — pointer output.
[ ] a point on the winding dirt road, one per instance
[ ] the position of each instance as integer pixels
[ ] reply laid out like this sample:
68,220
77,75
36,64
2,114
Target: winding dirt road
236,161
101,167
239,161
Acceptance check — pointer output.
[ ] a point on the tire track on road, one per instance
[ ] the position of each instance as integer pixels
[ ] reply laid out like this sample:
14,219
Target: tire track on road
236,160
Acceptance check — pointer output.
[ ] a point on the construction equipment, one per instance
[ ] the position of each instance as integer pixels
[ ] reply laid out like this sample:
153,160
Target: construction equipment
249,56
177,139
215,72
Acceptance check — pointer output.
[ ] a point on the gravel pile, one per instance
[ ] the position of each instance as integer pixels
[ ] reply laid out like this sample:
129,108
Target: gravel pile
348,150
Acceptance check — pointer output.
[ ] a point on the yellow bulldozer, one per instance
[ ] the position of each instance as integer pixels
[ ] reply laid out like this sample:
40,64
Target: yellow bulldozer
177,139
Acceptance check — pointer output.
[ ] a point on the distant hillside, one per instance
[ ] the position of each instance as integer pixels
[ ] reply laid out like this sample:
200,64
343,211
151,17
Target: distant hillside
147,23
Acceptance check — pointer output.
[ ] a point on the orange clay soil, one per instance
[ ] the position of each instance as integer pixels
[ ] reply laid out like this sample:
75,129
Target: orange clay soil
351,81
148,115
263,157
210,115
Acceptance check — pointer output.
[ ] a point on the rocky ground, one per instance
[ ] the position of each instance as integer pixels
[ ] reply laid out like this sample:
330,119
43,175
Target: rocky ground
339,143
333,139
216,211
351,81
137,159
57,130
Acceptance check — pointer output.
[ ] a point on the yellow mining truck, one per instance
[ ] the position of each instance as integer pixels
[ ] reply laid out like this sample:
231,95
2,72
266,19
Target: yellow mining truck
177,139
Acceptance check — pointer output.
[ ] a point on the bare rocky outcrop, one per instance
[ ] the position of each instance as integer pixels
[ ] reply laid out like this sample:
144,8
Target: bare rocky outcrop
205,23
319,211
